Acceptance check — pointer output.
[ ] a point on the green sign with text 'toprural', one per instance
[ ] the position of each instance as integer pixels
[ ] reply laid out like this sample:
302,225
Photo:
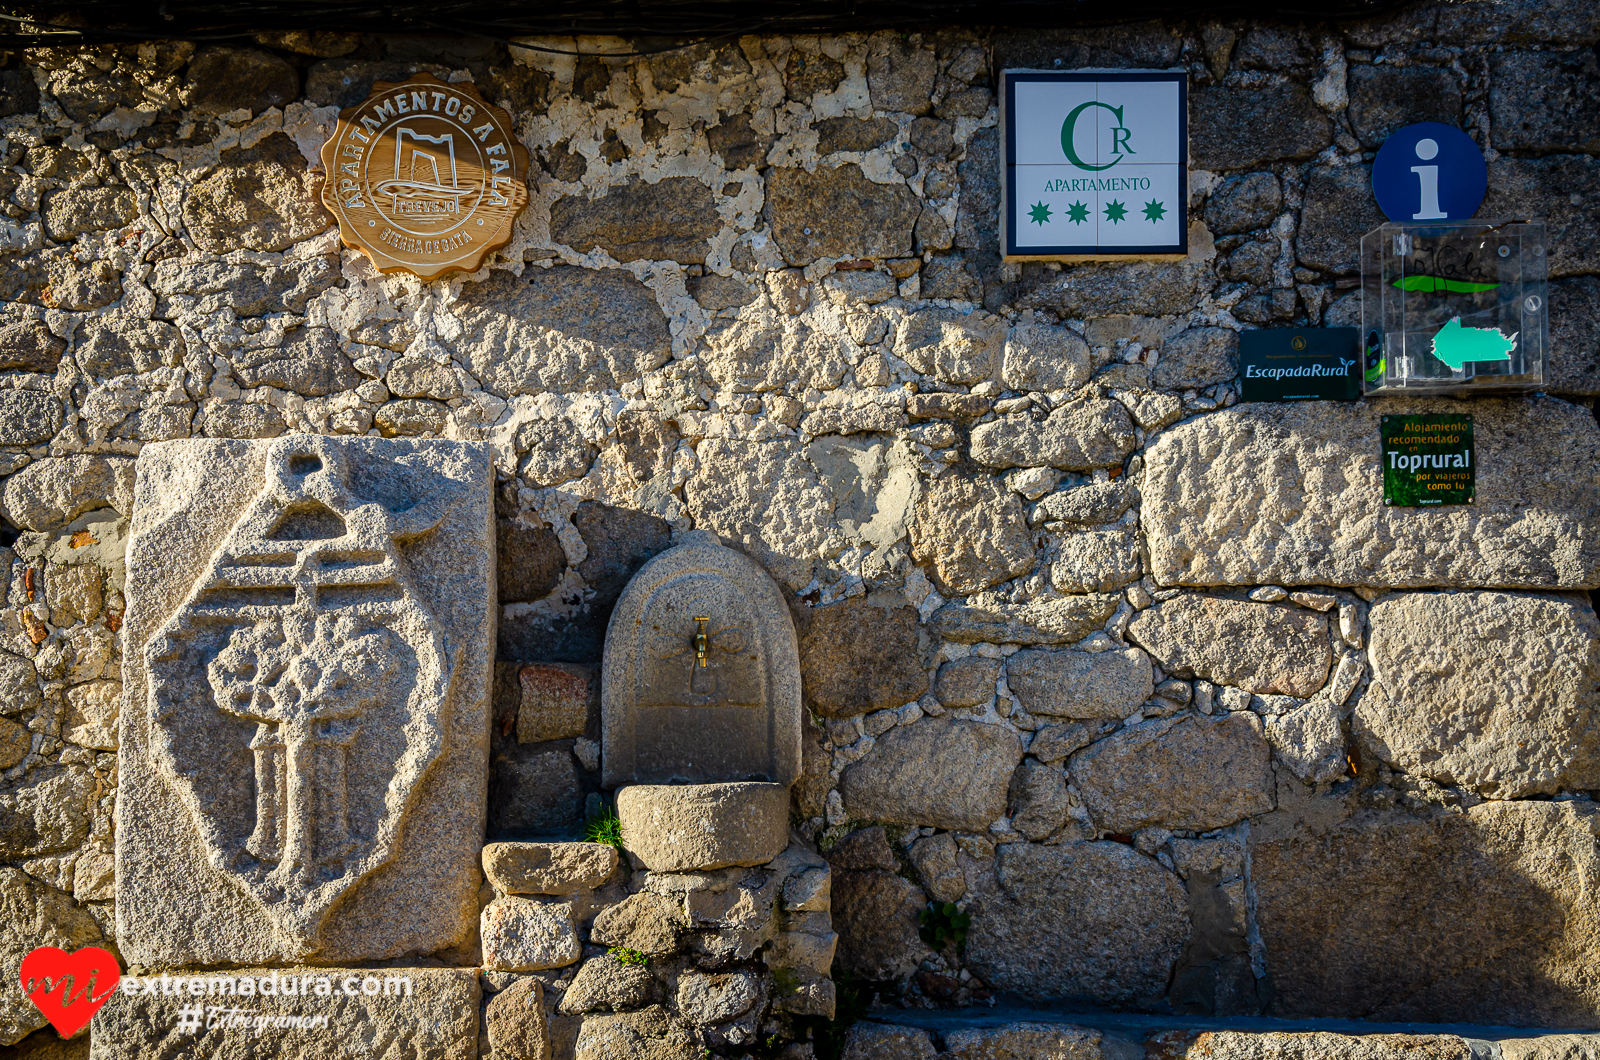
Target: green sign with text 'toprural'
1427,460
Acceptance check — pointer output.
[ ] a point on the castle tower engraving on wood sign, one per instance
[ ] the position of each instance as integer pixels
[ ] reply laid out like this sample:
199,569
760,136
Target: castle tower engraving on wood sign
425,177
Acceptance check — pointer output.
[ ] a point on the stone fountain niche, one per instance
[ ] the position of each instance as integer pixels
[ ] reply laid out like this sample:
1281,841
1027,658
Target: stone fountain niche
711,906
700,708
702,674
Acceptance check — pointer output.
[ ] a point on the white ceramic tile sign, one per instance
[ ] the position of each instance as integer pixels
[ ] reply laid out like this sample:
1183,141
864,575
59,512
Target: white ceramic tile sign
1096,164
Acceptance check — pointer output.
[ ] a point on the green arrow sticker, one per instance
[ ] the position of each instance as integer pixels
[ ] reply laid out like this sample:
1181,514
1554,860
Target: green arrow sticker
1456,345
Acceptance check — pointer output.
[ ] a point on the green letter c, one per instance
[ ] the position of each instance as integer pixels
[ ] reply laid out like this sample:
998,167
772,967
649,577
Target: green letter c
1067,128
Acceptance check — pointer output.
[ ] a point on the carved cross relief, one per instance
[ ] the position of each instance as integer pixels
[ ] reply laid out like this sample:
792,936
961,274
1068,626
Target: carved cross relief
306,624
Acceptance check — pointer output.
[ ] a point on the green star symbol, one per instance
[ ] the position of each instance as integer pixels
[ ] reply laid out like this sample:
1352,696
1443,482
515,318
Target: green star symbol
1077,213
1038,213
1154,211
1115,211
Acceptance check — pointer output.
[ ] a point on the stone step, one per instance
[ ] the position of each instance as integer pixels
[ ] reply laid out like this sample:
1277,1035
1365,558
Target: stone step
1069,1033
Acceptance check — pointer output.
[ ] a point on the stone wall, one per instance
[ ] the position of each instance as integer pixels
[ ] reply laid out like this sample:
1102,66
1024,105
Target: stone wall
1148,682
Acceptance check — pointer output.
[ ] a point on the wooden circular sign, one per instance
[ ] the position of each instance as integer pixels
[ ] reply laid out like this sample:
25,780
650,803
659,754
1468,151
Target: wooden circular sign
425,177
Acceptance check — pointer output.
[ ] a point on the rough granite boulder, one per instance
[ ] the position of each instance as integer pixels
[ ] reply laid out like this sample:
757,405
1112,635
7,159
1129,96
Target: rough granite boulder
1147,288
605,984
1064,621
1086,432
1042,358
956,347
562,329
968,682
763,498
697,827
1088,504
875,913
439,1011
1039,800
972,530
310,361
1038,1041
1533,729
247,289
649,1034
1188,772
1385,98
1261,648
516,1023
548,868
1096,560
223,79
258,198
1339,209
536,791
755,354
1574,336
1244,128
1545,101
1310,741
68,214
937,771
900,75
839,213
649,923
112,346
29,346
856,657
525,934
1242,204
1496,904
851,134
672,219
1293,496
1198,357
1323,1045
936,862
557,701
47,813
50,493
1563,185
1076,684
1080,920
28,417
878,1041
33,914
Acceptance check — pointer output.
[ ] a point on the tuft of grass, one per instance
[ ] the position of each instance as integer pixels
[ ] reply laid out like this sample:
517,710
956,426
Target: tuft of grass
852,1002
942,924
627,956
606,828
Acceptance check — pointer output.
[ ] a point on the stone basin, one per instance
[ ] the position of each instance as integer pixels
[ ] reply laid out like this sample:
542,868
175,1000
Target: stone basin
686,827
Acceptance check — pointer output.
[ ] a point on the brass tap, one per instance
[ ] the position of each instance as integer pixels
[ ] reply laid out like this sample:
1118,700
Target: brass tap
702,643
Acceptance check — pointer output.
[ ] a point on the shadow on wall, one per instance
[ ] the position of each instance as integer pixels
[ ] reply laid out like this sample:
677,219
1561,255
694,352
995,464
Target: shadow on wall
532,565
1486,916
545,743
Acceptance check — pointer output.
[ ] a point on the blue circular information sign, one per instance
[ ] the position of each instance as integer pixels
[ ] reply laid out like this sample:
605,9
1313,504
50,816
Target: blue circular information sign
1429,172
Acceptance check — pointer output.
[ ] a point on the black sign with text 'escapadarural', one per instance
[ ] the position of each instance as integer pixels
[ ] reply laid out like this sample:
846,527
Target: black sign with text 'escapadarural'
1299,364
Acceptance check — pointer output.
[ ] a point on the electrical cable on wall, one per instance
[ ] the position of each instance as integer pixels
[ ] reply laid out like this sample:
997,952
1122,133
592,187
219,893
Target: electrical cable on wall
685,24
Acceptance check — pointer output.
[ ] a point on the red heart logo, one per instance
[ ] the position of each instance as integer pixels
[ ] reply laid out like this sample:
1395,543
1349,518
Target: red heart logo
50,976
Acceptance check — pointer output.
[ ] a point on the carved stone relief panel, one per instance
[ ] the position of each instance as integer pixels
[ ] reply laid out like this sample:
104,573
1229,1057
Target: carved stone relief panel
702,673
304,737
